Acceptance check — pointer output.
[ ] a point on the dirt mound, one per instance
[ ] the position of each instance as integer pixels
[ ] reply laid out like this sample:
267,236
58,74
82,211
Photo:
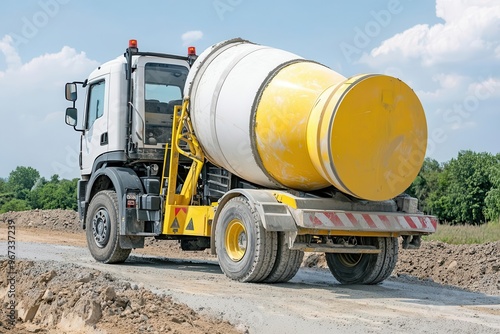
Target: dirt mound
55,297
61,220
472,267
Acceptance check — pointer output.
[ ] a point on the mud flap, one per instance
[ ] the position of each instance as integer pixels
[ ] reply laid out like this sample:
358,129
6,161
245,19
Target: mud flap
130,242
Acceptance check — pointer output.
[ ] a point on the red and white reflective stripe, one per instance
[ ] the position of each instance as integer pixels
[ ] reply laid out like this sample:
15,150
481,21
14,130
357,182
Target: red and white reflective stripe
332,220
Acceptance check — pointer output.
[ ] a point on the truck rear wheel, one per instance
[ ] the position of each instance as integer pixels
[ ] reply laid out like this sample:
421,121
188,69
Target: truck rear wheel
365,268
245,250
287,261
103,229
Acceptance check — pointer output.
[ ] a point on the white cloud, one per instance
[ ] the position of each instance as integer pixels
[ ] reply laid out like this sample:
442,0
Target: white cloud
190,37
454,66
463,125
11,57
448,81
470,27
485,89
445,84
33,132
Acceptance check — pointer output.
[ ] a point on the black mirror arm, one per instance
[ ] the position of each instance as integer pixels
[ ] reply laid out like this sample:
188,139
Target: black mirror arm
78,130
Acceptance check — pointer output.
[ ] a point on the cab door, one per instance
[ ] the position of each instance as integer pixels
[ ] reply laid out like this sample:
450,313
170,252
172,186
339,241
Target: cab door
95,137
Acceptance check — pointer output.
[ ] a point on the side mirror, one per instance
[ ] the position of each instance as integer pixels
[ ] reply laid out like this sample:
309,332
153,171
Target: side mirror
71,116
70,90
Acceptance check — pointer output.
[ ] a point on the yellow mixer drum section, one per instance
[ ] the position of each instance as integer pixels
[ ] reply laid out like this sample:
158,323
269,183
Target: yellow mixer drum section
281,121
366,135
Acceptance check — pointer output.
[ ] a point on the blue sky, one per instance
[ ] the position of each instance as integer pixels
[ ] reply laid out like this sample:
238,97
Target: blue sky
448,51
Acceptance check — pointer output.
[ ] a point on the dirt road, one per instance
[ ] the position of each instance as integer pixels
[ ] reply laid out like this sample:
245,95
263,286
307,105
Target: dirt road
311,303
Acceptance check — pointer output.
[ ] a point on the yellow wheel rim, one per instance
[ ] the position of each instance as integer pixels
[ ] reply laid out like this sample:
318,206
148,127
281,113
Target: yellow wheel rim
236,240
350,260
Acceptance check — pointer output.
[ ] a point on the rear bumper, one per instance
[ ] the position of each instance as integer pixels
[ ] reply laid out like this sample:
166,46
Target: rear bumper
391,222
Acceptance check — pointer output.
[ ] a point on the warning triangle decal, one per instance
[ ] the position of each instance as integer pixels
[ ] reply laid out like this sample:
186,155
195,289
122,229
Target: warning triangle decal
190,225
177,210
175,224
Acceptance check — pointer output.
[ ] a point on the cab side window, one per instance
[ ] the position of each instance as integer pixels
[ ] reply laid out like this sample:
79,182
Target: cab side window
95,106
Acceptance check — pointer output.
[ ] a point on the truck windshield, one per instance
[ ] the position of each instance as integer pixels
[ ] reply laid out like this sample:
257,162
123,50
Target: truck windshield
164,84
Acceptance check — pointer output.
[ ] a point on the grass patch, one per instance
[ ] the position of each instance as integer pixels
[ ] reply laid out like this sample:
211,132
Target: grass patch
466,234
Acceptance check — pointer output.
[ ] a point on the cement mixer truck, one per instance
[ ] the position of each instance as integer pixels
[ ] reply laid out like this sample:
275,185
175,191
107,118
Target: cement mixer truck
253,152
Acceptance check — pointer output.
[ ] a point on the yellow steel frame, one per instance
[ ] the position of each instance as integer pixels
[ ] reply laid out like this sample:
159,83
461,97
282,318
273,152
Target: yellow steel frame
182,216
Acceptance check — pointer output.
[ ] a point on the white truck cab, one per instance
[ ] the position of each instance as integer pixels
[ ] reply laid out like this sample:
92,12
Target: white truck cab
130,118
126,125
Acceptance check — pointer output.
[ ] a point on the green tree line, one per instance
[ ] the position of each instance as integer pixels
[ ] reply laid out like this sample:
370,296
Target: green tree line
464,190
24,189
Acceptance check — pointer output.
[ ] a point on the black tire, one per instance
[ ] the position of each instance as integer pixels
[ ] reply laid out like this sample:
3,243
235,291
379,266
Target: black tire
103,229
365,268
245,250
287,261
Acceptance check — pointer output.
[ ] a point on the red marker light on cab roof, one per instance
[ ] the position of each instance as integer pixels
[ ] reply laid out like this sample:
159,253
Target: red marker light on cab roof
132,43
191,51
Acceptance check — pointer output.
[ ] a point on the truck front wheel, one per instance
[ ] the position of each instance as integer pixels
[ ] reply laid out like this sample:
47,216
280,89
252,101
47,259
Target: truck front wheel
245,250
365,268
103,230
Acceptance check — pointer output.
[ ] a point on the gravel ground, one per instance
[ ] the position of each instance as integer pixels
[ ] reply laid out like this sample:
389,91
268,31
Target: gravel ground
60,297
471,267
